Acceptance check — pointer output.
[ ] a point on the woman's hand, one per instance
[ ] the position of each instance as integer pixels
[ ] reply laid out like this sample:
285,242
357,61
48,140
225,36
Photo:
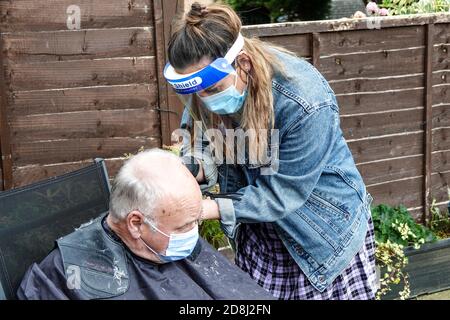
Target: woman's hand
195,167
200,176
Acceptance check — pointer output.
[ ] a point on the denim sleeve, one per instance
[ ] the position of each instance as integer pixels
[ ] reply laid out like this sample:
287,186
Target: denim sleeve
303,153
200,151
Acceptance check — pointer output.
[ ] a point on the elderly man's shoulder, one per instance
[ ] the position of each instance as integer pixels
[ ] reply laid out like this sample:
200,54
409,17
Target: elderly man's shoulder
45,280
58,273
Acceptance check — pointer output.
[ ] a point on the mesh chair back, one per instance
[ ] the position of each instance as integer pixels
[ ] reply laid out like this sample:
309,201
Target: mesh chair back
34,216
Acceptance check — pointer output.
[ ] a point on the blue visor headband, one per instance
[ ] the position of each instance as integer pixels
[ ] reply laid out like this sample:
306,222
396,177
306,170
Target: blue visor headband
206,77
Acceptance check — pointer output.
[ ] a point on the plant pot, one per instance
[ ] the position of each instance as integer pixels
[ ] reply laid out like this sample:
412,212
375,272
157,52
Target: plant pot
428,269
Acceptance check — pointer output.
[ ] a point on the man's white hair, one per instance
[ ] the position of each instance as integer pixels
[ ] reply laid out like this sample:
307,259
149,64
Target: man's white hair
133,189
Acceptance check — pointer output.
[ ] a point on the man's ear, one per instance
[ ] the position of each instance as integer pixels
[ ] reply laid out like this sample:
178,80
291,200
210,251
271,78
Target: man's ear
135,221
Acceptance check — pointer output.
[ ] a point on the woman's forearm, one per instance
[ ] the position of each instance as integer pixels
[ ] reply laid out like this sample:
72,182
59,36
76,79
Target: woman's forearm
210,210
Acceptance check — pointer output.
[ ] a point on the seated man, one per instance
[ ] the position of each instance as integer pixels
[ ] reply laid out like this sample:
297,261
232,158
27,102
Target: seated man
146,247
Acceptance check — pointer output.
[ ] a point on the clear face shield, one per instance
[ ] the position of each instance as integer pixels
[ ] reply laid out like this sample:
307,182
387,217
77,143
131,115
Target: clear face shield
189,86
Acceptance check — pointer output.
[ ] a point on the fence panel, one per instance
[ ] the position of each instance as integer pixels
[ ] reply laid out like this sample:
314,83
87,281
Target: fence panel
76,89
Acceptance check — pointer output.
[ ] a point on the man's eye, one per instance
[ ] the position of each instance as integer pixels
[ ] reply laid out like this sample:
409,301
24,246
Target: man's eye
183,228
187,227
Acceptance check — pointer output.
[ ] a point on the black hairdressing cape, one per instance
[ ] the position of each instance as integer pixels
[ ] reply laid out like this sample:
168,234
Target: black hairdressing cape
93,263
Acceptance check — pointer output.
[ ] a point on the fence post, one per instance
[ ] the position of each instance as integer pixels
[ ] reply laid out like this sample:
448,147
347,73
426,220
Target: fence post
428,114
160,52
5,138
169,107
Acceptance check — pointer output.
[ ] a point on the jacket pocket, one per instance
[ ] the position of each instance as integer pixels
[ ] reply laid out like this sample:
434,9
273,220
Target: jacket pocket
329,213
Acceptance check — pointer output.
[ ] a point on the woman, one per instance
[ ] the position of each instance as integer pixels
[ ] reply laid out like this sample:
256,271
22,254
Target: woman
301,229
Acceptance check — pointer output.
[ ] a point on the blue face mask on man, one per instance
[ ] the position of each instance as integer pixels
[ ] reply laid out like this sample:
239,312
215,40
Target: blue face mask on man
228,101
180,246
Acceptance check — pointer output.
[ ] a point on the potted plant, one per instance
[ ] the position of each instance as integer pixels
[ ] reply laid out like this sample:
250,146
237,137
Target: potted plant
412,259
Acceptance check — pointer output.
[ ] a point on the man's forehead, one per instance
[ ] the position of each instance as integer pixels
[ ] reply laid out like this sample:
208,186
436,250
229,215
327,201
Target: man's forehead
178,211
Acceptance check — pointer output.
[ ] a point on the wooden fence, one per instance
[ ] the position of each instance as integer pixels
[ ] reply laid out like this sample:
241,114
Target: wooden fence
70,95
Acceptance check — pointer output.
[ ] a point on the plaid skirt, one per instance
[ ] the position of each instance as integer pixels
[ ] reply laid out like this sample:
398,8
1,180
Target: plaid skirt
261,253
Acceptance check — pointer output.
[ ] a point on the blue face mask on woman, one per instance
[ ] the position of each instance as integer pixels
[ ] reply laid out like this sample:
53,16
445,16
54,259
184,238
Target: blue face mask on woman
181,245
228,101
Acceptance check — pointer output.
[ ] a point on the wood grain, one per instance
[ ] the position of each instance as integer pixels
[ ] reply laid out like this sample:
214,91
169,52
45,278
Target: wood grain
132,96
81,73
79,44
32,15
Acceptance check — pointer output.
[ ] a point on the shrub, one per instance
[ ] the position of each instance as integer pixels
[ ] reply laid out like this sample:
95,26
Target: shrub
281,10
398,226
440,221
398,7
210,231
395,228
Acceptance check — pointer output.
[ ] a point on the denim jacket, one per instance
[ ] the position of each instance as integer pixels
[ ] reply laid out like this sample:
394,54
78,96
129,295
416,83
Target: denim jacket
317,198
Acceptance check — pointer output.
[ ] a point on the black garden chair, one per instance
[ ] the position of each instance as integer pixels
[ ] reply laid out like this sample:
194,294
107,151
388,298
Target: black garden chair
34,216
